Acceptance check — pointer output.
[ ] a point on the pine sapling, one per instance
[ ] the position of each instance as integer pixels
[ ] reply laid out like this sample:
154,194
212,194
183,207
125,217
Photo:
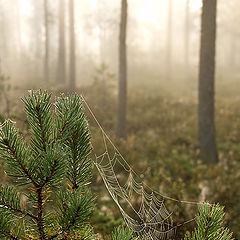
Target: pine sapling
123,233
53,170
210,224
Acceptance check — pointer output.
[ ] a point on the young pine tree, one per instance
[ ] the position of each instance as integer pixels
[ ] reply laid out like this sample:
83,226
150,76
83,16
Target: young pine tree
53,170
123,233
210,224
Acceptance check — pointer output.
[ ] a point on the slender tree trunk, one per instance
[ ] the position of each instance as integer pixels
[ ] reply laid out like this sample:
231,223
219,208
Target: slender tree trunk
169,40
72,68
187,36
122,88
61,67
46,59
206,125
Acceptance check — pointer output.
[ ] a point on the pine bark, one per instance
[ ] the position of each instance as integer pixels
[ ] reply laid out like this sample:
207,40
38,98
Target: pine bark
122,81
72,62
46,59
61,67
206,125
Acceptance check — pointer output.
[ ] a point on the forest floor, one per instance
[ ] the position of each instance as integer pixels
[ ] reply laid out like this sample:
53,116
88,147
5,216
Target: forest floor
162,145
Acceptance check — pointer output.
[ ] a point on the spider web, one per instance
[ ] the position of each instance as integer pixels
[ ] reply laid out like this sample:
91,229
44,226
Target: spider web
143,209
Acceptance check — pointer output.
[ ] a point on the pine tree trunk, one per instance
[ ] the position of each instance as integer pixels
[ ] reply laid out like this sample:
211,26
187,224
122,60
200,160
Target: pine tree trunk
46,59
122,88
72,68
169,41
61,68
206,125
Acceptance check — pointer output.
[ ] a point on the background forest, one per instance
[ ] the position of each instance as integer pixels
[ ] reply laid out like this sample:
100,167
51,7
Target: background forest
162,78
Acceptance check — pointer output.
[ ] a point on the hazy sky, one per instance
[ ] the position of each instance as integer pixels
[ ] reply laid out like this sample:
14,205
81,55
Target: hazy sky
97,31
148,13
144,10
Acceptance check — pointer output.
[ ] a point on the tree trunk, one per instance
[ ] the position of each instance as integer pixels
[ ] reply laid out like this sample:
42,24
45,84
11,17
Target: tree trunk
46,59
122,88
72,68
206,126
61,68
187,36
169,41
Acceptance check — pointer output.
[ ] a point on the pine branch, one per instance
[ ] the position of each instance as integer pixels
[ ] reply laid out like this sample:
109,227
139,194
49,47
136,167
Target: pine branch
37,107
74,219
19,161
25,213
39,118
76,139
60,133
123,233
52,172
74,208
6,220
210,224
54,236
9,235
13,150
10,206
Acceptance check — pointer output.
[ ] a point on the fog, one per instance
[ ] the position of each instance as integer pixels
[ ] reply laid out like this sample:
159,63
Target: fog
161,82
96,31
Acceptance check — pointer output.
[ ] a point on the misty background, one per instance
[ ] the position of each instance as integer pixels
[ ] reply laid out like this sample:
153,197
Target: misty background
23,38
149,71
